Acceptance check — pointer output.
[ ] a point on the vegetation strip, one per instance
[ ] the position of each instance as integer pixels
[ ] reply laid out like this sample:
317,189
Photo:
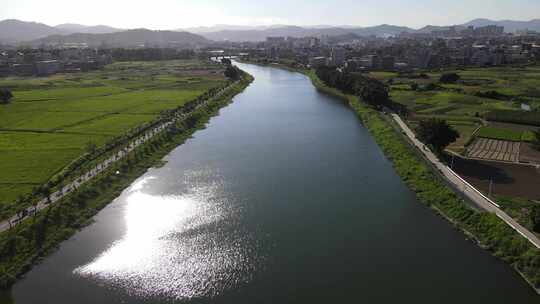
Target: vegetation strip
28,242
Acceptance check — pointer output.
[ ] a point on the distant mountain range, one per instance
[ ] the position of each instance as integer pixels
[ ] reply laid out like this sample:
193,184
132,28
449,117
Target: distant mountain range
15,31
12,31
239,33
297,31
510,26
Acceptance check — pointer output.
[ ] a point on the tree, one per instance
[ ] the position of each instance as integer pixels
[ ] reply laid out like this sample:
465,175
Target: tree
414,86
449,78
226,61
536,141
430,87
46,192
5,95
4,213
232,72
20,200
91,147
35,205
535,216
21,209
374,92
436,133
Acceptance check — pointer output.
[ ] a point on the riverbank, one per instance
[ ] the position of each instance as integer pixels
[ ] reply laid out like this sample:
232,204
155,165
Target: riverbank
487,229
30,241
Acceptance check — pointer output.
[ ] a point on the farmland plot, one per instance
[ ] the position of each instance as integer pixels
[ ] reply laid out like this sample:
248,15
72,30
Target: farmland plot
492,149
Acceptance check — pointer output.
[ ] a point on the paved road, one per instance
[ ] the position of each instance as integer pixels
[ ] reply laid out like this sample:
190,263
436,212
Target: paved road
90,174
472,193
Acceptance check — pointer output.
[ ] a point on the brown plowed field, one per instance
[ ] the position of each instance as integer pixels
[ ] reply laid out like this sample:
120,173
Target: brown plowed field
508,179
491,149
528,154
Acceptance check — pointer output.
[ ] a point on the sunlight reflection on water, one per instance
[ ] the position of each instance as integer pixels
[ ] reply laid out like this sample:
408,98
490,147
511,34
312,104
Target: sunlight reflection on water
178,246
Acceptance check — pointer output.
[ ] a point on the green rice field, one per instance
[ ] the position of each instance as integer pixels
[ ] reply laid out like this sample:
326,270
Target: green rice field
500,133
51,120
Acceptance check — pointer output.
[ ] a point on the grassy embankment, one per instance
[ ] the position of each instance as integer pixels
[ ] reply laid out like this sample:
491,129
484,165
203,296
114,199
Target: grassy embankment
51,120
487,229
28,242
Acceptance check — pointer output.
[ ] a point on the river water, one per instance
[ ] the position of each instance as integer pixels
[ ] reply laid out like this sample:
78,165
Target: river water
283,198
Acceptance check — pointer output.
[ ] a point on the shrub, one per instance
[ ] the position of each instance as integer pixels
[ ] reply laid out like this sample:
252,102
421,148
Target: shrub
5,95
449,78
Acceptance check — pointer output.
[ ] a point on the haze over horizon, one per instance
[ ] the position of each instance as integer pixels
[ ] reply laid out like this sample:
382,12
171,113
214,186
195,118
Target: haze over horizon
171,14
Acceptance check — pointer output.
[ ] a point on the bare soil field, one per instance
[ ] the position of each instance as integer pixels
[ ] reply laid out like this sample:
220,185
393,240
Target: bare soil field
528,154
510,180
491,149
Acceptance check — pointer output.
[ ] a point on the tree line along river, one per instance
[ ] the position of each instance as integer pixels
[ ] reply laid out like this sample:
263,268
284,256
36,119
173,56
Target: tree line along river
283,198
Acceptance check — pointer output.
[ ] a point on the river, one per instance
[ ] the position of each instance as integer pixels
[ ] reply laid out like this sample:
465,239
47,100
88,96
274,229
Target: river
283,198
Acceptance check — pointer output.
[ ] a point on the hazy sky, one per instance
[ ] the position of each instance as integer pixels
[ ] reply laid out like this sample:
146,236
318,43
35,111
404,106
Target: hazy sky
169,14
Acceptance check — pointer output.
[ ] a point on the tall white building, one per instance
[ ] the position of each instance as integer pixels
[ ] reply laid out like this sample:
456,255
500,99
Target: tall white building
338,56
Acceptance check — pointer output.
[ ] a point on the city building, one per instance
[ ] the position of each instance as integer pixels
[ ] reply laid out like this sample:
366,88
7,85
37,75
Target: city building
49,67
337,56
388,63
316,62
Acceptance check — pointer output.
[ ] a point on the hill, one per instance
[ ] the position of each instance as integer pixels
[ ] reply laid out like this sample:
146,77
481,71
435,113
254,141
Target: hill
381,30
79,28
129,38
221,27
12,31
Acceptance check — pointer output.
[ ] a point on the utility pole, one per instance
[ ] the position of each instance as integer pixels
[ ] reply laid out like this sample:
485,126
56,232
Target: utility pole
452,164
490,187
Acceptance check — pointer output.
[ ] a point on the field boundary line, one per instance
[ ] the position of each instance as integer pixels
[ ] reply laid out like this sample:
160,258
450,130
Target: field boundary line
473,188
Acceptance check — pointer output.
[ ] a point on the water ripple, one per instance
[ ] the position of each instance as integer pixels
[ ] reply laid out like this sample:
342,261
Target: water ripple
178,246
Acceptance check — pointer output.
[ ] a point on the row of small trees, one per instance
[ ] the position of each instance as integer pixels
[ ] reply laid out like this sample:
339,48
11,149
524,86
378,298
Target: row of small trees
370,90
149,54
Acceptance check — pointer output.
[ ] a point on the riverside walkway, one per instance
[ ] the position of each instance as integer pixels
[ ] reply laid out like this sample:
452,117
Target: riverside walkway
467,189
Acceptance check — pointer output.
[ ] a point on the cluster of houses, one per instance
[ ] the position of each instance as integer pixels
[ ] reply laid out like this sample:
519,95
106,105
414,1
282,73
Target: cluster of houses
440,48
41,62
452,47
